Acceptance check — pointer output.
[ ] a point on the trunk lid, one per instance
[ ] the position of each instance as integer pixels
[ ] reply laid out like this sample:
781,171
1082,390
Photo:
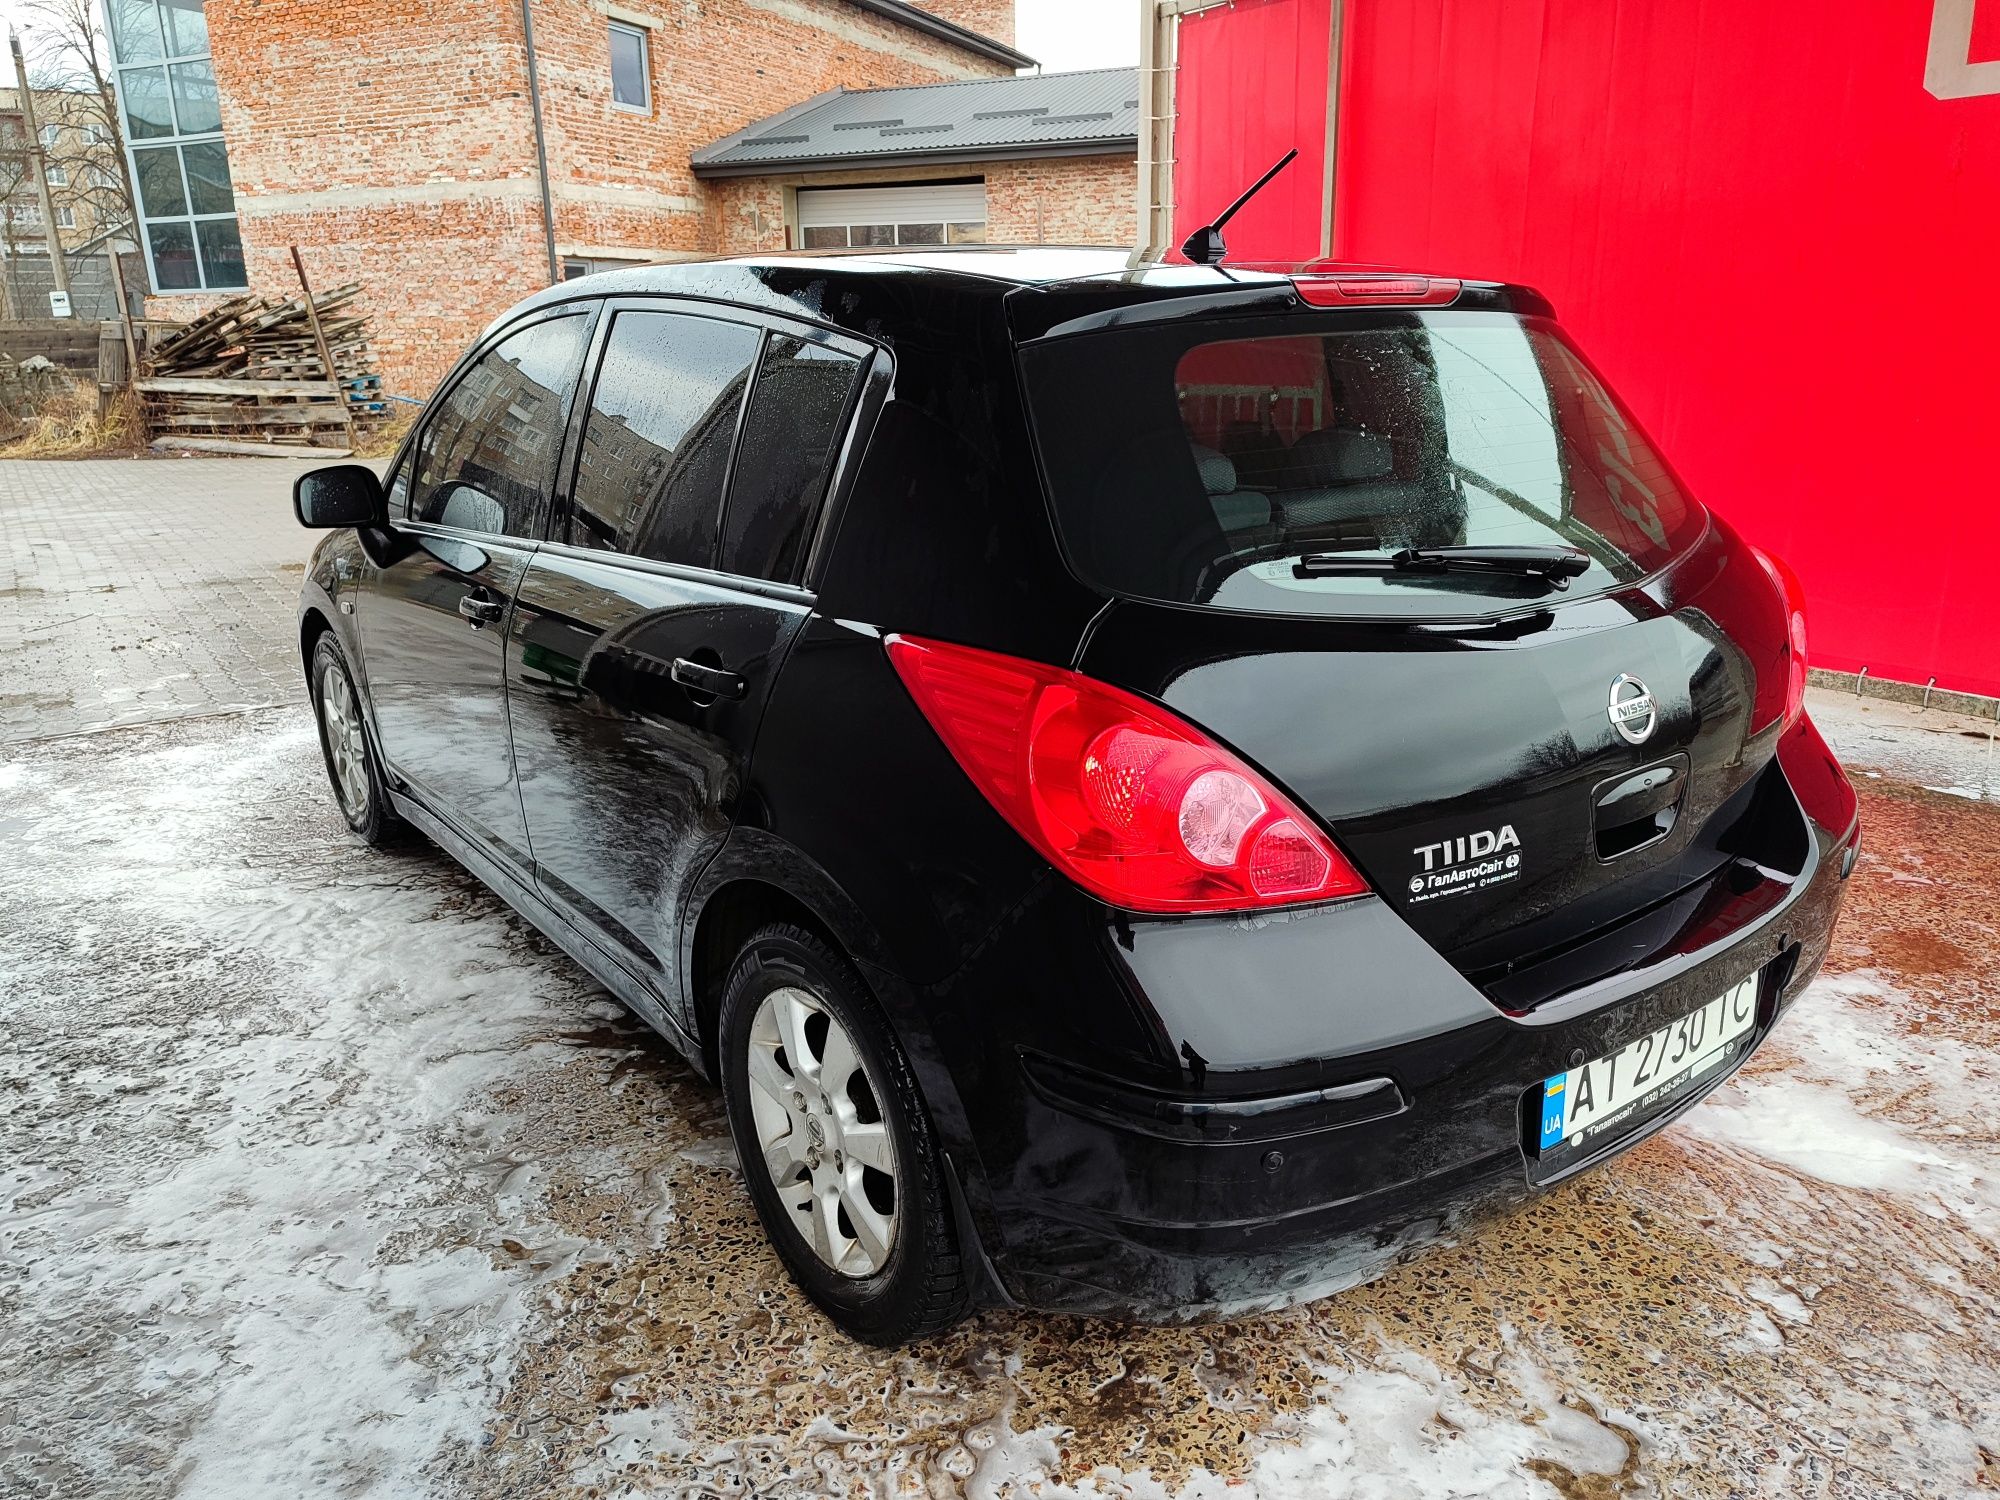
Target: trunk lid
1423,568
1473,771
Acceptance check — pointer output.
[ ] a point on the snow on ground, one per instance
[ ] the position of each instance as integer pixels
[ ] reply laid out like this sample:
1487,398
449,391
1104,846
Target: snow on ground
1397,1425
1957,755
1832,1115
320,1173
249,1215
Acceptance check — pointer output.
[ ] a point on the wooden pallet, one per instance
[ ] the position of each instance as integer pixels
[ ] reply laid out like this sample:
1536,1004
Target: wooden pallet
251,366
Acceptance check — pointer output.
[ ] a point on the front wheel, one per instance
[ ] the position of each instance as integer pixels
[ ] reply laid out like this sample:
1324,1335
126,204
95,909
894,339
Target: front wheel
835,1142
351,763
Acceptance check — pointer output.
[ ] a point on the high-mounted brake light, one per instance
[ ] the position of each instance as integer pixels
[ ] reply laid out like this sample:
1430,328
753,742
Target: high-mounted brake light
1793,595
1402,291
1137,806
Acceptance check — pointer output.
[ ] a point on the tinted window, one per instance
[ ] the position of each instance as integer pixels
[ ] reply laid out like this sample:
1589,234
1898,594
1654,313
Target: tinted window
1203,464
488,453
790,434
656,445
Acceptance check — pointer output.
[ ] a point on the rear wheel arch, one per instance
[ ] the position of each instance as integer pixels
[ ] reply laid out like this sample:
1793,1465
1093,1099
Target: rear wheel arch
919,1269
728,917
740,906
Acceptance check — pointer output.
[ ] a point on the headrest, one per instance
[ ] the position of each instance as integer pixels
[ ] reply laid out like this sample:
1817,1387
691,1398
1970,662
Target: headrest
468,509
1340,455
1363,455
1218,474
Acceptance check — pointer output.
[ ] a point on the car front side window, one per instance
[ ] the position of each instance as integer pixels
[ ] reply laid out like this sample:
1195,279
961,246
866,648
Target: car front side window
486,458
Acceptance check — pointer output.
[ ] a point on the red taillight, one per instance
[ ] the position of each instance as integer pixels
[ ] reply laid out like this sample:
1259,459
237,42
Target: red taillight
1793,595
1406,291
1136,806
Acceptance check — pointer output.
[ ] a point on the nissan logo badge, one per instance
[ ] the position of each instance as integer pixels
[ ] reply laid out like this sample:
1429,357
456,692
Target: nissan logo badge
1632,712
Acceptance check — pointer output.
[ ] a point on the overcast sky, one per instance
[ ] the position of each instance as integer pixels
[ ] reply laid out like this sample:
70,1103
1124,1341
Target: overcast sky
14,18
1064,35
17,17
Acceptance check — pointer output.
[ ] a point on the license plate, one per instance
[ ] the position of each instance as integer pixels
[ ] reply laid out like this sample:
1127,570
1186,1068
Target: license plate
1609,1091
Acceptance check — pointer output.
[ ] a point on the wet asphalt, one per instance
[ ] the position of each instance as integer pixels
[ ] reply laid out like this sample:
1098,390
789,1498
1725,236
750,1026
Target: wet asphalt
321,1172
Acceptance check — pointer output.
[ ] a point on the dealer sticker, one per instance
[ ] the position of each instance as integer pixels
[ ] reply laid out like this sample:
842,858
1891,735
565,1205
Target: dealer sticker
1469,862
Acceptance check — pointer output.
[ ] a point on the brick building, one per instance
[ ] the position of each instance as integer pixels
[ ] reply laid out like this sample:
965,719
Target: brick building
401,143
1040,159
87,192
80,162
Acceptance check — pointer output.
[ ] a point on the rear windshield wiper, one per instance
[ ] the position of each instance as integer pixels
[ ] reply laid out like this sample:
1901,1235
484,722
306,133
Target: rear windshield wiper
1556,565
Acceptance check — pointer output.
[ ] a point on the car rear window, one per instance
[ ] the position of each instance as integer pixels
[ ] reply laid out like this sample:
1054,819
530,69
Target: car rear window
1197,464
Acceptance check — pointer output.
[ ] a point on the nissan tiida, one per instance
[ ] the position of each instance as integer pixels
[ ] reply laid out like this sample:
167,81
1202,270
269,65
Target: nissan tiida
1154,791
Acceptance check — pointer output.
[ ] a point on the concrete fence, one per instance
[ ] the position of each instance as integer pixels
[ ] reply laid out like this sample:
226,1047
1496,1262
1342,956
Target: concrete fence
92,296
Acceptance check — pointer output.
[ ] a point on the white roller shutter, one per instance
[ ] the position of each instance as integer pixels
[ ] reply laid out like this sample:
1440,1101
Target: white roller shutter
951,203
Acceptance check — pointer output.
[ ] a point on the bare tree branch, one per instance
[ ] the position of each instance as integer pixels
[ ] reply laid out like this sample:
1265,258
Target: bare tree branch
71,75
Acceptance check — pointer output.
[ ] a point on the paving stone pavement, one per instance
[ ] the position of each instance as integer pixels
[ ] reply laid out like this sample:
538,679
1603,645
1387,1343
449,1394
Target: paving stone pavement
320,1173
139,590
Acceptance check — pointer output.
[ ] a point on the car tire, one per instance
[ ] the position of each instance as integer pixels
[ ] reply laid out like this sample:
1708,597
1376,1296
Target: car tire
818,1182
352,766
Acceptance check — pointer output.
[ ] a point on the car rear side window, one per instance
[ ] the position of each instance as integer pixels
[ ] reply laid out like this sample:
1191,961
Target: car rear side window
486,458
656,444
1205,463
794,426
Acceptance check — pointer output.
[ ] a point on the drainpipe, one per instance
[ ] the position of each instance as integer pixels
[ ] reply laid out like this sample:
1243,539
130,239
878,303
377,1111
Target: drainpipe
541,141
1156,153
1337,14
1159,65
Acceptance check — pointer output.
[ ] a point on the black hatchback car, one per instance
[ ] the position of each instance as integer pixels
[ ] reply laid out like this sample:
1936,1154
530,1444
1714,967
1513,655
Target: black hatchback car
1154,790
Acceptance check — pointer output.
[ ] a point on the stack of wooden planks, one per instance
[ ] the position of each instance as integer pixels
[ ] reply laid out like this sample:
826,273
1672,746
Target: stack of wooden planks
248,376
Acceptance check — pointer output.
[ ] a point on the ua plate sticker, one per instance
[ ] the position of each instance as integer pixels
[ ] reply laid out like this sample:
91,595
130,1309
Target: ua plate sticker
1555,1108
1470,862
1591,1099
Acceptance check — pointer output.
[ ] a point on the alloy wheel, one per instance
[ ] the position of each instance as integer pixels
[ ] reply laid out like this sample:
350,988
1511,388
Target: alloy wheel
346,741
821,1132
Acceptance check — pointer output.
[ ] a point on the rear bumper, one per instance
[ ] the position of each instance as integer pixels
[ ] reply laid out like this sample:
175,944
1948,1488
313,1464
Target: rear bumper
1276,1172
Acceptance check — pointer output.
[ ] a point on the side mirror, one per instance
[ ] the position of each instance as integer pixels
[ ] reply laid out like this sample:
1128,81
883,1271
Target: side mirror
339,495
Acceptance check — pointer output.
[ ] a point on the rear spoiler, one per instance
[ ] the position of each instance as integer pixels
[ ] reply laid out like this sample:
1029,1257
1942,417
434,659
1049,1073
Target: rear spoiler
1172,294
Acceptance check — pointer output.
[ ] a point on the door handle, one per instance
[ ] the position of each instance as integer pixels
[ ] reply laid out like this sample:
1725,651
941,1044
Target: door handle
480,608
715,682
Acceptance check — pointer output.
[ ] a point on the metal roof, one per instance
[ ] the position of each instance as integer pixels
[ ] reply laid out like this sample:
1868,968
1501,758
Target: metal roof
1045,114
905,14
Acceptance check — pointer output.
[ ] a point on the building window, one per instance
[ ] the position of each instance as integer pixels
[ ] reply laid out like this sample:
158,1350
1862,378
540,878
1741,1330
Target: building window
58,175
576,266
65,218
836,236
24,214
173,129
631,71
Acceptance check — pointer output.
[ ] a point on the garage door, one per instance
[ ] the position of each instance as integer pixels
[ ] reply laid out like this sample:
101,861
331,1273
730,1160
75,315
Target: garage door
945,213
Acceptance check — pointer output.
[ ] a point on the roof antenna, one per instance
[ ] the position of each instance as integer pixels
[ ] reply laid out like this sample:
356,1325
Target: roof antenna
1204,247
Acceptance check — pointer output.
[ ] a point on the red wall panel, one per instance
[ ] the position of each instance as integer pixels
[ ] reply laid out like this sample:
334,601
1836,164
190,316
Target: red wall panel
1778,246
1985,34
1252,85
